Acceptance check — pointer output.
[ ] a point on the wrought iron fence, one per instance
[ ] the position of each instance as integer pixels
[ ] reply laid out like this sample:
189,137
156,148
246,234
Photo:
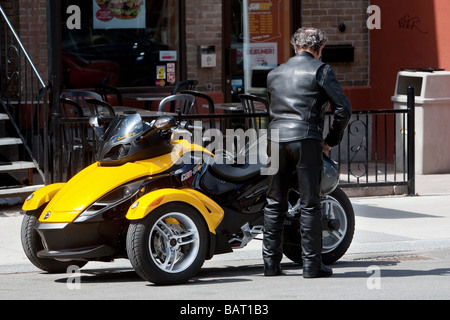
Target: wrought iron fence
376,149
23,97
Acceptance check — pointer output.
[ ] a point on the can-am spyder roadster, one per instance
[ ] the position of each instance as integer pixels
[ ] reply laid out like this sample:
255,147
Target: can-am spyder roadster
167,216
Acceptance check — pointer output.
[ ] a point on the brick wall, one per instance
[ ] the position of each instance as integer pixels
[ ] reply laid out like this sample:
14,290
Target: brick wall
328,15
33,32
28,17
204,27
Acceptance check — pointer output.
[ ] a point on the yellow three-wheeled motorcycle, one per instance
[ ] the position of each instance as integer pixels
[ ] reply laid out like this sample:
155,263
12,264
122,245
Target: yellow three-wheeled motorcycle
165,205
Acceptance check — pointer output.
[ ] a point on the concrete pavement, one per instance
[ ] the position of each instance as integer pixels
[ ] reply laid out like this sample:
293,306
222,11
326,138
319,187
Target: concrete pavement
383,225
390,224
402,223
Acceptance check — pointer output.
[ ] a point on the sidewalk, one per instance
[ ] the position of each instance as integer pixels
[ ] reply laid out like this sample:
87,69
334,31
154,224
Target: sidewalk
383,225
389,224
402,223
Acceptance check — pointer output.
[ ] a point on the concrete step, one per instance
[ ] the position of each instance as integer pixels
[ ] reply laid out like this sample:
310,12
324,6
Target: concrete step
17,165
9,141
25,190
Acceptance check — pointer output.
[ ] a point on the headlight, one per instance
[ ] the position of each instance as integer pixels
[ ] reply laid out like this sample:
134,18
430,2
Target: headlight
118,152
111,199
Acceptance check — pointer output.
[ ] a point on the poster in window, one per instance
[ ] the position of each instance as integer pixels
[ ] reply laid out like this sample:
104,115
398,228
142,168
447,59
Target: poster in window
262,54
160,72
119,14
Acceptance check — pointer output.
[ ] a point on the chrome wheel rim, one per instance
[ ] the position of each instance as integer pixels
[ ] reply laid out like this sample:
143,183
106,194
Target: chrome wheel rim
332,209
174,242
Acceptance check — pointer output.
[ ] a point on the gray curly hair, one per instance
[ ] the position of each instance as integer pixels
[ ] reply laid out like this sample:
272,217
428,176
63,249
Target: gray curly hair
308,38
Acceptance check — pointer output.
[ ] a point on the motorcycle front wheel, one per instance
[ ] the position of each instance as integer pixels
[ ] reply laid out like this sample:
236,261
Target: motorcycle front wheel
336,237
169,245
32,244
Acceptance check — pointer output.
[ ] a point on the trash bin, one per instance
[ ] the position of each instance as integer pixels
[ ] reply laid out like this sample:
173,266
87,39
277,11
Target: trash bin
432,119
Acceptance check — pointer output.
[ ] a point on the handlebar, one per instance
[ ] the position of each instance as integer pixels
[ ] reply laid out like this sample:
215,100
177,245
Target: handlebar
189,127
168,123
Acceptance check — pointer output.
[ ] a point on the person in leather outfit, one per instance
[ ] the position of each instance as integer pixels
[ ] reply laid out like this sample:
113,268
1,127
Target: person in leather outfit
300,92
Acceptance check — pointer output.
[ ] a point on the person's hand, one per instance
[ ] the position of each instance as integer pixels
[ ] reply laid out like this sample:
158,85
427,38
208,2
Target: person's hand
325,147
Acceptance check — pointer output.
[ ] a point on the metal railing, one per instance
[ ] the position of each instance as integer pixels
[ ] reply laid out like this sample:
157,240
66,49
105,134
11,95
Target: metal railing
23,96
375,151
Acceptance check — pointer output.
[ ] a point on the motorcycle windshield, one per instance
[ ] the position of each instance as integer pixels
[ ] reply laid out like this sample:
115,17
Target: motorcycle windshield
123,128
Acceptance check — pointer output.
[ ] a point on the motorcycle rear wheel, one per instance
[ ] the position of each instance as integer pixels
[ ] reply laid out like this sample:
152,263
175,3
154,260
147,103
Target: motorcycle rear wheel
335,242
169,245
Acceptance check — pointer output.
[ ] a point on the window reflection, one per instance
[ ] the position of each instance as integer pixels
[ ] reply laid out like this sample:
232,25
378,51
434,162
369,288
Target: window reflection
118,42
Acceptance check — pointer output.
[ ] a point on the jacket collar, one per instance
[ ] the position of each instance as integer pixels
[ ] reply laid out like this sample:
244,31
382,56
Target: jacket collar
305,53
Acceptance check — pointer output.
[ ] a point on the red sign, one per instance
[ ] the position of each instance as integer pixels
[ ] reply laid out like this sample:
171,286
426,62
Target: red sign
170,77
104,14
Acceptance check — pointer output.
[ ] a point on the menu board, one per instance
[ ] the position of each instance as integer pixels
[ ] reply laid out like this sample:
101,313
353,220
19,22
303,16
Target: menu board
119,14
264,20
267,21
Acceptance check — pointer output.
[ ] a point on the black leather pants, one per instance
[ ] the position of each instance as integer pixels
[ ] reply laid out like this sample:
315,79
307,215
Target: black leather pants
305,158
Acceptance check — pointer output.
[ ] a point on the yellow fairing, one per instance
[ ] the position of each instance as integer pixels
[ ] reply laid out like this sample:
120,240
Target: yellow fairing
184,146
95,181
210,210
68,200
41,196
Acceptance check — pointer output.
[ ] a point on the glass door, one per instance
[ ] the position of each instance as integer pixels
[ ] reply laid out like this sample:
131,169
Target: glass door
259,37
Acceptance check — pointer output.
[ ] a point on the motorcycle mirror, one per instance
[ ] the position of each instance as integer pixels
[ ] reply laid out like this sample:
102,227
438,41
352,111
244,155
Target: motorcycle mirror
161,123
96,122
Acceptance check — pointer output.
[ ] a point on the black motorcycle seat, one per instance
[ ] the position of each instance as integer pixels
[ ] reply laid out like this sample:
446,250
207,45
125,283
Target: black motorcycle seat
237,173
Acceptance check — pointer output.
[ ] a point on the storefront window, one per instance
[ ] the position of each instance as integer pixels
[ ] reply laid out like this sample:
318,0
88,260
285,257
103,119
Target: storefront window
123,43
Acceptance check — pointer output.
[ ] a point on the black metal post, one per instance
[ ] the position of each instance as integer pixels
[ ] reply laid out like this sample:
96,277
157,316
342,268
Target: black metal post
54,49
54,71
411,142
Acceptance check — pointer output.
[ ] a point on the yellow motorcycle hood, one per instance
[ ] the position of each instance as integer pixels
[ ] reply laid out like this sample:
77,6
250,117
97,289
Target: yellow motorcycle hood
95,181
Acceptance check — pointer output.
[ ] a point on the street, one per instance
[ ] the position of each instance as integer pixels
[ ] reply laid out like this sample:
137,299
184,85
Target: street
412,275
400,250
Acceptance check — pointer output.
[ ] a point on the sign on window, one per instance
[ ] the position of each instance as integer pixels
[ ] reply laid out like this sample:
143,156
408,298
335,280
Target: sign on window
119,14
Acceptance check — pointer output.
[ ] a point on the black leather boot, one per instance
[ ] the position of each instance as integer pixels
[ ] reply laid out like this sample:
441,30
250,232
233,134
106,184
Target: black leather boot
271,270
311,229
272,247
322,271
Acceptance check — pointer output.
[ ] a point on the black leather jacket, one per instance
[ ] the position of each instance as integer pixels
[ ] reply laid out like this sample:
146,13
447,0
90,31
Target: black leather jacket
299,92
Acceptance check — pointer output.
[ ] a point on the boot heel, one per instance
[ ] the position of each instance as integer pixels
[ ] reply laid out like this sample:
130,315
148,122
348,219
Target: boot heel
322,272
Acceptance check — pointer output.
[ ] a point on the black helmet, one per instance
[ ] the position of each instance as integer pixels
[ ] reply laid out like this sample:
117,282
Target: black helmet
330,176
